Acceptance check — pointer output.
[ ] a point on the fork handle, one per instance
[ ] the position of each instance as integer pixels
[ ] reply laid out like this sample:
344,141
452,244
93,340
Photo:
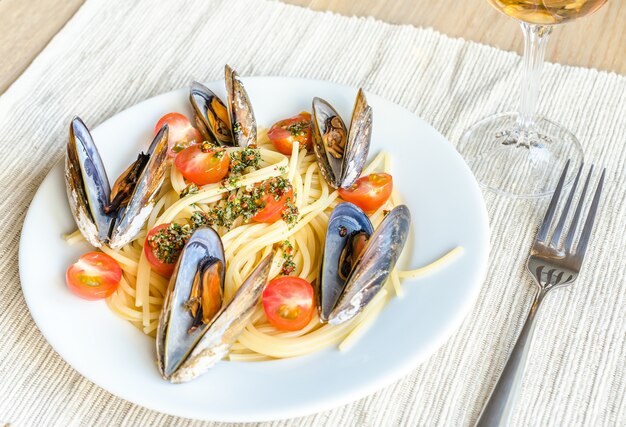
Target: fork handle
497,410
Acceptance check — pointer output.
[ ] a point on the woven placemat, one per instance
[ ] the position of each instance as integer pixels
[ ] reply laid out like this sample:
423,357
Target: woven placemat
113,54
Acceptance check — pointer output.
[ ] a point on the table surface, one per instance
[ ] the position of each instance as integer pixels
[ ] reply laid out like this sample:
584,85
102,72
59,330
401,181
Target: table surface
576,372
598,41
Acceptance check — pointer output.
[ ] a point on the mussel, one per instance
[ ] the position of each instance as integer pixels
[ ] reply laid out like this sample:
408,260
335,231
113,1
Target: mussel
105,215
232,125
195,329
341,152
357,259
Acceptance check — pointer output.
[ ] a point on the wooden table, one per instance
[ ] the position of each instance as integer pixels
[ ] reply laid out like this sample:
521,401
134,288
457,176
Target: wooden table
598,41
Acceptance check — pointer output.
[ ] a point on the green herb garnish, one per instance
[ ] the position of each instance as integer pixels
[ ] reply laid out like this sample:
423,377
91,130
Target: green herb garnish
168,242
190,189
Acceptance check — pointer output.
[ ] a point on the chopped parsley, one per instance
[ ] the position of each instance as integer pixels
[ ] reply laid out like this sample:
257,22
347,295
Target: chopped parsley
168,242
298,128
190,189
244,203
288,265
207,147
216,217
244,161
231,182
290,213
278,187
217,151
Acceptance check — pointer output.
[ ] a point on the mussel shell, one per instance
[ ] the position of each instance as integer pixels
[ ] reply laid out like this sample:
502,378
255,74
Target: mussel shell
229,323
323,116
87,185
241,113
341,166
211,115
345,220
372,269
359,137
131,218
174,341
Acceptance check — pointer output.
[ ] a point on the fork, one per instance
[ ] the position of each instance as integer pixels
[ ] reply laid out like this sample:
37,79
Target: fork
551,265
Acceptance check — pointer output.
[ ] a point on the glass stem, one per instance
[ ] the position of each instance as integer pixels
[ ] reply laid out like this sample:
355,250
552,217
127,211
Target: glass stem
535,41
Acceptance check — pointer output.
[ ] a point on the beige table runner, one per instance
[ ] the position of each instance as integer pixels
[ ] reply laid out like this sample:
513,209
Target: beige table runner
113,54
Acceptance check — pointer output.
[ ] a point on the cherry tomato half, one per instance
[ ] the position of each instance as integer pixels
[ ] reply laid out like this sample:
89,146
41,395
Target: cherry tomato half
203,163
288,303
294,129
273,204
369,192
94,276
150,248
181,133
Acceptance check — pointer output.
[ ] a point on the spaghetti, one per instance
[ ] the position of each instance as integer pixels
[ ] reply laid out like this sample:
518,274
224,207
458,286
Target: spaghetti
140,295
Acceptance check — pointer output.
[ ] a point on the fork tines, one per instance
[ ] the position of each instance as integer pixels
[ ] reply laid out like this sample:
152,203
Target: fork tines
583,241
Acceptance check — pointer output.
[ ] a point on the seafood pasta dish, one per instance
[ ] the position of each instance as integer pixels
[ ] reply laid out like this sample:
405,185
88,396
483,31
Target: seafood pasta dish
228,240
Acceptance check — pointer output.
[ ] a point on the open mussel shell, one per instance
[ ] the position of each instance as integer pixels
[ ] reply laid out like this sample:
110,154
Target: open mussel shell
241,113
131,217
212,117
233,124
176,334
87,185
227,326
371,270
186,349
346,222
104,215
330,137
358,145
341,152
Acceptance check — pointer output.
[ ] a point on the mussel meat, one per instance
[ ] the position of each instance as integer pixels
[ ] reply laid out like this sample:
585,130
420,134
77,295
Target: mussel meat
232,125
340,152
357,259
195,329
105,215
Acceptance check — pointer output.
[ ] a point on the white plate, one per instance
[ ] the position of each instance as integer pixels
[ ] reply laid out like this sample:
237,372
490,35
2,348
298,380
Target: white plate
447,210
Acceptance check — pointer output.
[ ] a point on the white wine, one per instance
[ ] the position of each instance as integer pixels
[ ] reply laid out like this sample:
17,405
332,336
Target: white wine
547,12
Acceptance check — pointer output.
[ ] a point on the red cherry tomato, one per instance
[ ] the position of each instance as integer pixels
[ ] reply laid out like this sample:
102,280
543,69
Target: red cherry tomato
273,202
203,163
150,248
181,133
288,303
94,276
294,129
369,192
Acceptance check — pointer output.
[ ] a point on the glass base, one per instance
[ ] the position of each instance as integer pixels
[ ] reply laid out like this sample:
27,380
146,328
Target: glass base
519,163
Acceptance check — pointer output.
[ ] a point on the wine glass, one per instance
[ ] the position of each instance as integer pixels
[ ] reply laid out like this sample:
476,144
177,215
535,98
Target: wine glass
517,153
